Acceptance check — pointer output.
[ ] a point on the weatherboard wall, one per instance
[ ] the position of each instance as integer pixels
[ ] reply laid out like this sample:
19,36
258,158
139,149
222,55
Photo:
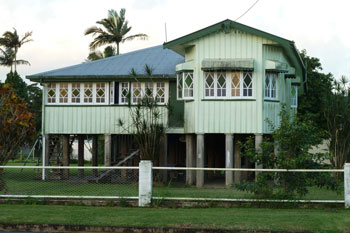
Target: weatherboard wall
226,116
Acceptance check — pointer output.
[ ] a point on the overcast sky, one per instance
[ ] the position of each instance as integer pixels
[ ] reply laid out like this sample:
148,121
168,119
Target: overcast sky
319,26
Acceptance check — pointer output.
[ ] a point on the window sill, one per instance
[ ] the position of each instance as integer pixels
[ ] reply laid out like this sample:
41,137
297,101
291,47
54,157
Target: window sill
272,100
238,99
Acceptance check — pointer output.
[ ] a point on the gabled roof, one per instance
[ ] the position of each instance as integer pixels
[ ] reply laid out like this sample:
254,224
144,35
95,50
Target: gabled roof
226,26
162,61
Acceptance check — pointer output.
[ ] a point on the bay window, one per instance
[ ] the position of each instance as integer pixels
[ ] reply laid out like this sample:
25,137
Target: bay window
185,85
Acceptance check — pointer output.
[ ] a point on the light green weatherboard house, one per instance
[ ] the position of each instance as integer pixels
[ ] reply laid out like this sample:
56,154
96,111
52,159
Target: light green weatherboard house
222,82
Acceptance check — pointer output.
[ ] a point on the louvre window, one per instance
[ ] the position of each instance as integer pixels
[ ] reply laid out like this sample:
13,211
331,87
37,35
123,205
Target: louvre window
228,85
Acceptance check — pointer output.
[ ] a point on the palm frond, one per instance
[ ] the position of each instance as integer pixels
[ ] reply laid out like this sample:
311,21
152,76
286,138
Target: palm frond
22,62
140,36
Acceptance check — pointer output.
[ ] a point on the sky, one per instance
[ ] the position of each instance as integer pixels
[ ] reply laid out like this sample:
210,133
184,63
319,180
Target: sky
319,26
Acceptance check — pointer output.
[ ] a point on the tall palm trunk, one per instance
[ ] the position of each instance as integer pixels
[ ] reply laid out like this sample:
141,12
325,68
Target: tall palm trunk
117,48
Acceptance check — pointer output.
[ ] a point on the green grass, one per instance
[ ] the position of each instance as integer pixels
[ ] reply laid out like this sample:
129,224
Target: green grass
223,218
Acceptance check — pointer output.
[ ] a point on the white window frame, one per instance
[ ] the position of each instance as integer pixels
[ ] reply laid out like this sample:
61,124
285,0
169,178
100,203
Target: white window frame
107,96
121,91
143,84
295,98
184,86
268,89
228,88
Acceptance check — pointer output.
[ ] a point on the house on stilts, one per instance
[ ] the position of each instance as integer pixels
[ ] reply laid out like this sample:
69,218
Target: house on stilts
222,83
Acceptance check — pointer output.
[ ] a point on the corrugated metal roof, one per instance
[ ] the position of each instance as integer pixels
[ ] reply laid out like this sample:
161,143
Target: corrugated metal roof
162,61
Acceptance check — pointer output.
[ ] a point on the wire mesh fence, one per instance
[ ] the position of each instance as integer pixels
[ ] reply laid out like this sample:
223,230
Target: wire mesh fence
251,184
68,182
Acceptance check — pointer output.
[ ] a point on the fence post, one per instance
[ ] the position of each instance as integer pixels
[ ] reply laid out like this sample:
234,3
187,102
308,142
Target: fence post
347,185
145,183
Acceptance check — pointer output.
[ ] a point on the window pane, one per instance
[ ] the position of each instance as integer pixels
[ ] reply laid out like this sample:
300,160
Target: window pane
149,91
88,93
209,84
51,93
63,93
160,93
100,92
124,93
75,92
247,84
294,96
179,85
221,84
136,93
188,84
235,84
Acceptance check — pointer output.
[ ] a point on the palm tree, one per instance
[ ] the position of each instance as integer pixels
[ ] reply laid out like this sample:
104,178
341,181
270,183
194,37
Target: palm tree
114,31
11,40
7,58
107,52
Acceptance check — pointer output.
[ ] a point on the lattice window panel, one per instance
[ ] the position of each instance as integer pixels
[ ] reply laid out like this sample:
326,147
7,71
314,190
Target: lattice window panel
221,85
209,84
124,93
274,86
188,84
63,93
136,92
51,93
100,92
271,85
160,93
75,93
88,93
235,84
247,84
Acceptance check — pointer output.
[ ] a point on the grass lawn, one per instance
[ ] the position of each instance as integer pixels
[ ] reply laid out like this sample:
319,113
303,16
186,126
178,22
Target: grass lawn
223,218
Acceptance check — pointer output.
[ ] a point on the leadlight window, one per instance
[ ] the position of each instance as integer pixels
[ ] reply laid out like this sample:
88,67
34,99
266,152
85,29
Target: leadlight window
149,91
51,93
136,92
271,85
160,93
100,92
294,96
124,93
75,93
228,85
185,85
88,93
63,93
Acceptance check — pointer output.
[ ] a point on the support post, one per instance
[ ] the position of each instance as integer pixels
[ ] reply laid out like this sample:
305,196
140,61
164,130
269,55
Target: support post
95,154
190,159
65,156
108,150
145,183
200,161
163,157
347,185
45,154
81,154
229,159
238,163
258,141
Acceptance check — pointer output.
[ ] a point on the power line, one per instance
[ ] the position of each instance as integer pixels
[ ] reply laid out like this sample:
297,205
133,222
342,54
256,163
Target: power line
247,10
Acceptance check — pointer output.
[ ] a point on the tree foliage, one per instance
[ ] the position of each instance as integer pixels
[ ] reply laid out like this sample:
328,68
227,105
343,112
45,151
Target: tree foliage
109,51
319,86
337,114
288,149
113,31
17,124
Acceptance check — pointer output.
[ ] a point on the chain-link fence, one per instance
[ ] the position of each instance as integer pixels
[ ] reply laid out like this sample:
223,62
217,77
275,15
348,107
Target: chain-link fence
101,182
250,184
